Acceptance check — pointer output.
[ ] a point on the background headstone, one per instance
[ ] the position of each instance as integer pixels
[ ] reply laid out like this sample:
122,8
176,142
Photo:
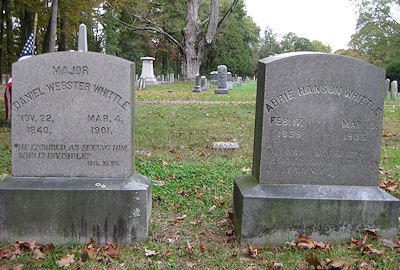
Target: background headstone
197,86
73,173
394,91
239,81
222,88
229,80
214,77
316,152
148,70
82,38
203,83
387,88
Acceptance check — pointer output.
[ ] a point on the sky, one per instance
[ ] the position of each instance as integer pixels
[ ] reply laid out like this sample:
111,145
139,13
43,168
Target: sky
330,21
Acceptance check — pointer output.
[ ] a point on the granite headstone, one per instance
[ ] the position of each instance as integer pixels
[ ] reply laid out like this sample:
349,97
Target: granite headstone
197,86
316,152
229,80
394,90
222,88
73,173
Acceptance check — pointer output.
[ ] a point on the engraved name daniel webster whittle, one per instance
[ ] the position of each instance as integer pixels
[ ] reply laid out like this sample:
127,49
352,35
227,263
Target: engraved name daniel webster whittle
320,125
72,116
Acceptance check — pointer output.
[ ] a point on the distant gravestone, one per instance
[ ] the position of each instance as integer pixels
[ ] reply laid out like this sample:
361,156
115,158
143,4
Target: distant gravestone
394,91
171,77
239,81
222,88
225,145
82,38
316,152
4,78
229,80
73,174
148,70
214,77
197,86
387,87
247,79
203,83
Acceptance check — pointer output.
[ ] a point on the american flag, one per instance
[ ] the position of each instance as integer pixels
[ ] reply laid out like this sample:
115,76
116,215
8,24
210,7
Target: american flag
26,53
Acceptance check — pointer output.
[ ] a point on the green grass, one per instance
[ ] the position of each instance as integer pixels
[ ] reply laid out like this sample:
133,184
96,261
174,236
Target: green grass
193,181
184,91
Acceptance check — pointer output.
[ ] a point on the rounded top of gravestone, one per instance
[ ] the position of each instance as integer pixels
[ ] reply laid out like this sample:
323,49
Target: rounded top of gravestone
309,55
229,73
221,66
147,58
214,72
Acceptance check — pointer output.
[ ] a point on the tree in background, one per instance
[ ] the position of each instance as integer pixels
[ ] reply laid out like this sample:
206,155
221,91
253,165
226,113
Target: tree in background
393,70
235,45
292,43
189,25
377,36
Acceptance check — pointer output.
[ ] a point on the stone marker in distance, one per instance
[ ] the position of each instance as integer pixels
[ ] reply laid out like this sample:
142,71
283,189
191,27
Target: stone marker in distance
316,153
73,173
222,86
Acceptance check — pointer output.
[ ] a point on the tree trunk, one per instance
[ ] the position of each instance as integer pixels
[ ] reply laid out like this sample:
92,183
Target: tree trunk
8,57
63,43
53,26
1,35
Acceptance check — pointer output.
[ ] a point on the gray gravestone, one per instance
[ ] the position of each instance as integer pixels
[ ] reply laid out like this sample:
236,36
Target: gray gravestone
203,84
171,77
73,173
222,88
82,38
239,82
247,79
394,91
229,80
387,87
214,78
197,86
316,152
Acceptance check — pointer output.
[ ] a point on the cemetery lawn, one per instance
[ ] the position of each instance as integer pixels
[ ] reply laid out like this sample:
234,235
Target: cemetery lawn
192,196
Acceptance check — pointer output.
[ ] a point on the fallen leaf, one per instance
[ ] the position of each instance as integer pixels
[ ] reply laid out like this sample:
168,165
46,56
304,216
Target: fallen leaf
202,249
366,266
164,163
190,264
189,247
170,177
313,260
212,208
113,251
19,267
369,250
91,251
149,253
246,169
302,267
230,232
339,264
233,255
356,243
178,158
38,254
304,241
390,243
66,261
250,251
372,233
177,219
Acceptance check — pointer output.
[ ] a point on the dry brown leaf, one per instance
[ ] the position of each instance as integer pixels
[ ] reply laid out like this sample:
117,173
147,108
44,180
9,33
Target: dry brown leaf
202,249
66,261
149,253
38,254
372,233
356,243
277,265
339,264
178,219
313,260
19,267
113,251
369,250
91,251
302,267
189,247
366,266
230,232
250,251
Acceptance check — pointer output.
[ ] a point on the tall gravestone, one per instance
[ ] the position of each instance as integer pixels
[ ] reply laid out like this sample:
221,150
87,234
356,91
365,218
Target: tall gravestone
316,152
148,70
82,38
222,88
387,88
197,86
73,174
203,83
239,82
394,90
229,80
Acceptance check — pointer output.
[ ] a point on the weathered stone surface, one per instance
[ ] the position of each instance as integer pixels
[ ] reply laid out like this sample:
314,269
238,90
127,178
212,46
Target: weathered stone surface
82,38
203,83
62,210
73,116
148,70
394,91
197,87
274,214
239,82
214,77
229,80
316,152
387,87
222,88
318,120
225,145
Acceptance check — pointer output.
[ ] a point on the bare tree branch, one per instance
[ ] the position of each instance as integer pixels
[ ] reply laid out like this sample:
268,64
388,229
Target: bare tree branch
228,12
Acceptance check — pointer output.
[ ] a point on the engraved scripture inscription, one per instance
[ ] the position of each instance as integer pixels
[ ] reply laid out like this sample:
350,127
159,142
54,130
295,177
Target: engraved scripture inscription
318,121
72,116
